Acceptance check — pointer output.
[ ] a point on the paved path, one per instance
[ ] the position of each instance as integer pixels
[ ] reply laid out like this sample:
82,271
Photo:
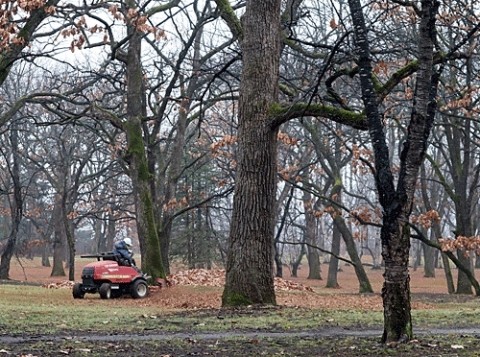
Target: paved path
158,336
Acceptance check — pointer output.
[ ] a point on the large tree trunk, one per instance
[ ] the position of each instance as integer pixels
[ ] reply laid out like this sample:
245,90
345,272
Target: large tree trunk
249,271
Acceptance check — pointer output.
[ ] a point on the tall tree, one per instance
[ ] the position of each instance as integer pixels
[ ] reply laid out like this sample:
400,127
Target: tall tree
249,271
397,201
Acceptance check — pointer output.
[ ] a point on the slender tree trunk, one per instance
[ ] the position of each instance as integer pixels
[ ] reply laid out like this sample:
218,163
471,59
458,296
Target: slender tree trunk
58,240
464,286
99,236
342,228
310,231
416,254
278,263
71,247
110,233
45,255
136,156
448,274
436,233
166,216
164,235
332,276
296,263
287,192
249,271
364,285
174,170
314,269
429,257
16,208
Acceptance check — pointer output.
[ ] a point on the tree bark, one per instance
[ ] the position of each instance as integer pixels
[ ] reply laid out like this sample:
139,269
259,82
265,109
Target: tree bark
249,270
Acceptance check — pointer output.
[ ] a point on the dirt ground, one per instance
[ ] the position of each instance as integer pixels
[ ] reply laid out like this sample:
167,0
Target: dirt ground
345,295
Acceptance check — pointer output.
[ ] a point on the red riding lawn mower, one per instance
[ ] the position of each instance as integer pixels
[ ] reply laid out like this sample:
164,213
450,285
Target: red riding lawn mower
108,277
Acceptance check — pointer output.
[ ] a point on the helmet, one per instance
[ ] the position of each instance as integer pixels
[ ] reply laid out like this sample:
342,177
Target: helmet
128,241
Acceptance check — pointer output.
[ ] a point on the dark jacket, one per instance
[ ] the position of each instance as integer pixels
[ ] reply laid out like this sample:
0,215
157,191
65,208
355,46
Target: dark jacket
121,249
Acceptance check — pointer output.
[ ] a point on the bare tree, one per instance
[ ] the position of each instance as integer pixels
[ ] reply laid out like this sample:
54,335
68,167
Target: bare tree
397,201
16,201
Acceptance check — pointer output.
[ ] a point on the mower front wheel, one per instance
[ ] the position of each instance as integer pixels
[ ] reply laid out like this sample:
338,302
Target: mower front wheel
77,291
139,289
105,291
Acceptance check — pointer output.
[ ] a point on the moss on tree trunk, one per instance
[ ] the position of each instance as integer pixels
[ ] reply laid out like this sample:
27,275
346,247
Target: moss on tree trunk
137,158
140,175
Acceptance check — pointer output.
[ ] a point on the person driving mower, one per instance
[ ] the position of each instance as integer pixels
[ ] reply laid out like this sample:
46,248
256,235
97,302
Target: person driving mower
123,249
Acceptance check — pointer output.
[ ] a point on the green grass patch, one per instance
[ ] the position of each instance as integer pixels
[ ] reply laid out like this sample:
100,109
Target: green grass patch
66,326
31,309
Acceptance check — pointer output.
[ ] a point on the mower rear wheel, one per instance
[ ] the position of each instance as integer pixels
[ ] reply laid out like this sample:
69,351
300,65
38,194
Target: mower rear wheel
105,291
139,289
77,291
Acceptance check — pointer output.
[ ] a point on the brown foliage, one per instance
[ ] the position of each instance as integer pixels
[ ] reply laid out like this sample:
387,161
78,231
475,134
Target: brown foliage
467,244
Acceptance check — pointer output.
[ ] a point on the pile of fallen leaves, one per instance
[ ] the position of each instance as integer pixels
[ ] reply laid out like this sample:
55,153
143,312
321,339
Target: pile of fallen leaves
59,285
216,277
198,277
